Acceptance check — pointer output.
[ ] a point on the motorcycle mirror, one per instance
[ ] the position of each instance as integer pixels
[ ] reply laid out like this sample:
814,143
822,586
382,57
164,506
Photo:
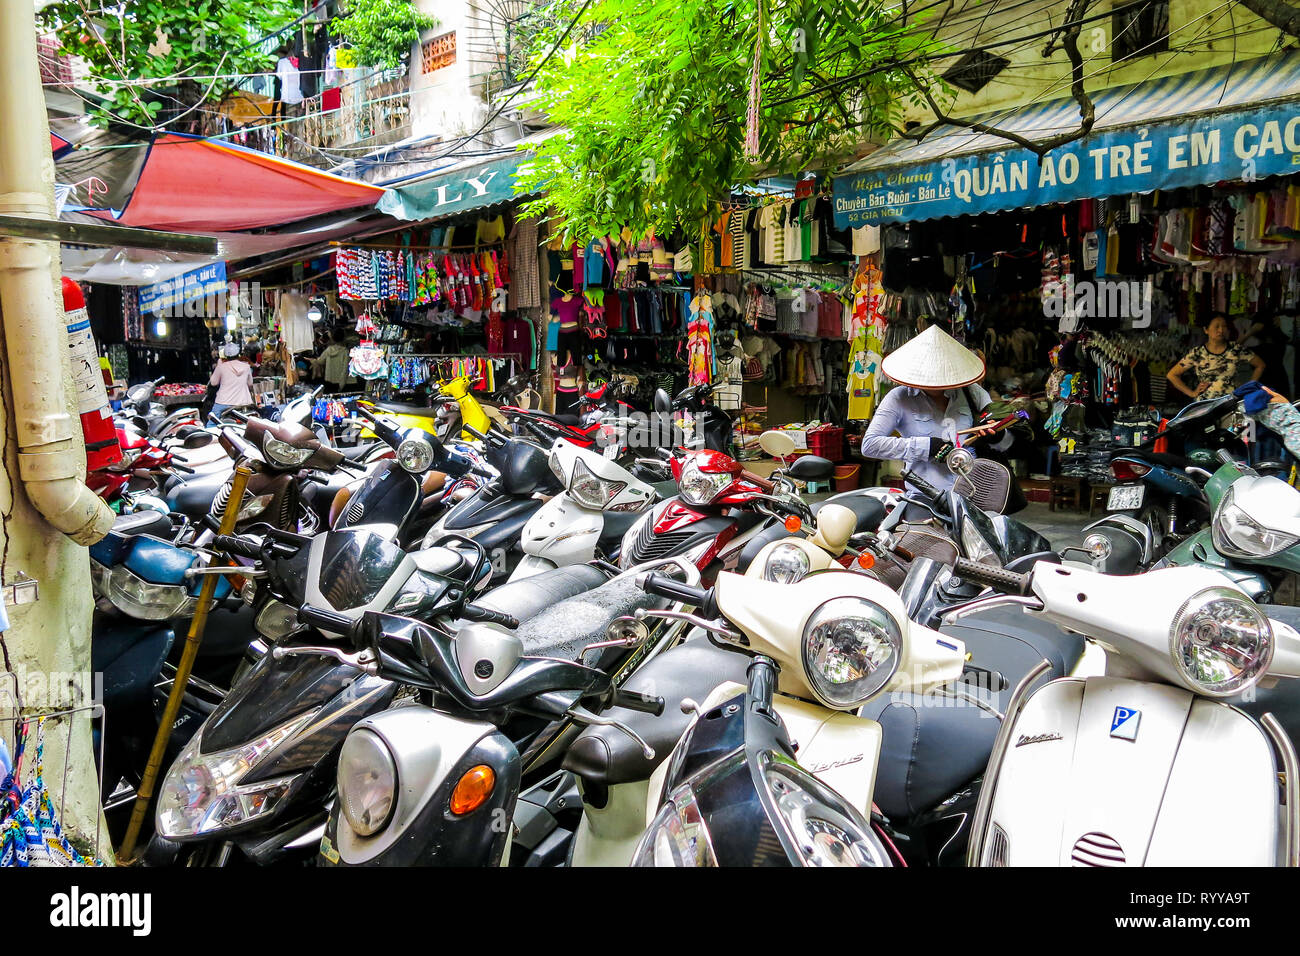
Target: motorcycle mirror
960,461
777,443
663,403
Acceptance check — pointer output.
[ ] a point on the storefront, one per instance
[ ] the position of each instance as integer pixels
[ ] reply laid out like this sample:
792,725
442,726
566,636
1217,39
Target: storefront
1084,277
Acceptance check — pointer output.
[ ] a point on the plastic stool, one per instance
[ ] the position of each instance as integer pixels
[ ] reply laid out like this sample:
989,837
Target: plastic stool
817,487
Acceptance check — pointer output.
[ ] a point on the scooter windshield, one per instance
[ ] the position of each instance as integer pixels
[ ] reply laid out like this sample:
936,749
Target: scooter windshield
355,566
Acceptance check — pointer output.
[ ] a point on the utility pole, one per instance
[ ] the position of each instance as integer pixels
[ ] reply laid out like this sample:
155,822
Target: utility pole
47,515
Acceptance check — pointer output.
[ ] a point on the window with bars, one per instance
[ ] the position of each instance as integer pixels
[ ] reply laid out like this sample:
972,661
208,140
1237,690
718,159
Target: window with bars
1140,31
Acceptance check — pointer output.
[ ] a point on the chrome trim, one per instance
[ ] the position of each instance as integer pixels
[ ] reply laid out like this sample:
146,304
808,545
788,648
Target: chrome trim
983,604
984,804
643,613
1291,766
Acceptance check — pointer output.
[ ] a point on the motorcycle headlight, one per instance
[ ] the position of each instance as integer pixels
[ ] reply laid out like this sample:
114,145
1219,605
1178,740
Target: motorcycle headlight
1221,643
677,836
277,620
625,548
851,648
975,547
1237,534
556,468
203,793
591,491
367,782
699,487
786,564
284,454
252,507
415,454
145,600
100,574
822,826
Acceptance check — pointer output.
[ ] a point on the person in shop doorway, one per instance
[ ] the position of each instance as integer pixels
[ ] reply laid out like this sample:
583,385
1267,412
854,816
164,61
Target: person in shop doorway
233,378
936,398
1218,366
332,364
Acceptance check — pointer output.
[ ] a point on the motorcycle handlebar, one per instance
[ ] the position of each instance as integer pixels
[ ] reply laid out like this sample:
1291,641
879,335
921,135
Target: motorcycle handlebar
644,703
923,486
325,620
662,585
177,466
1009,582
474,612
232,544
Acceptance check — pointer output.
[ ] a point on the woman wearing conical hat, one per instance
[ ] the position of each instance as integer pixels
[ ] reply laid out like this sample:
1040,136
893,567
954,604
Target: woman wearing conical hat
936,398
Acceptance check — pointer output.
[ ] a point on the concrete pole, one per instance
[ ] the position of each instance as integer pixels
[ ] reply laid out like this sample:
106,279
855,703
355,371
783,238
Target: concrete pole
43,499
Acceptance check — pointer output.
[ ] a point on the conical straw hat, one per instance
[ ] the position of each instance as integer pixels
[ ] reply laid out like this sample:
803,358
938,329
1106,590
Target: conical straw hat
934,359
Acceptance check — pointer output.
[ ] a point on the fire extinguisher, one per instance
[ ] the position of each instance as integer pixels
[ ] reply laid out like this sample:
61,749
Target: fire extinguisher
97,427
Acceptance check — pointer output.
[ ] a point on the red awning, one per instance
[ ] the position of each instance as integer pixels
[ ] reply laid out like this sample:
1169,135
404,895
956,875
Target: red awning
198,185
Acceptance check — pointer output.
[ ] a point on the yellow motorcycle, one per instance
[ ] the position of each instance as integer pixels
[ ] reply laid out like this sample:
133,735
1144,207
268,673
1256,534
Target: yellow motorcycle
442,419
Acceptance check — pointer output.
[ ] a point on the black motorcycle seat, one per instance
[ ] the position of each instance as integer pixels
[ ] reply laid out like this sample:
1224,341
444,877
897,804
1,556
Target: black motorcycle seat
562,630
357,451
933,746
528,597
606,756
193,498
143,522
616,525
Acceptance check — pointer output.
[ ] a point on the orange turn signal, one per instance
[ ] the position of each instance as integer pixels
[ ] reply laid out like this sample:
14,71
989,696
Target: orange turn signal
793,524
473,790
866,560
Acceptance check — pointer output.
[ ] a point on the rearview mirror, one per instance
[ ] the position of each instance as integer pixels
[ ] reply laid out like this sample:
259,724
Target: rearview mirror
663,404
777,444
811,468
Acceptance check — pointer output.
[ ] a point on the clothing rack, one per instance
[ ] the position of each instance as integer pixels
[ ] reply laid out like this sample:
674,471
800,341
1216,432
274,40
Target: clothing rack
414,247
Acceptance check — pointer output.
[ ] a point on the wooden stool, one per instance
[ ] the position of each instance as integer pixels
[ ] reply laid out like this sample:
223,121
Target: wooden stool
1098,495
1065,492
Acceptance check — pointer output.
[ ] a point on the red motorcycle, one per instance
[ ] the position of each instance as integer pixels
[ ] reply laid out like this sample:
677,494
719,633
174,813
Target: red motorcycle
601,420
141,469
724,515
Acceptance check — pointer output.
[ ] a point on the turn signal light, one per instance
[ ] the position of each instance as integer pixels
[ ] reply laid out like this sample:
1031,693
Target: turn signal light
793,524
473,790
866,560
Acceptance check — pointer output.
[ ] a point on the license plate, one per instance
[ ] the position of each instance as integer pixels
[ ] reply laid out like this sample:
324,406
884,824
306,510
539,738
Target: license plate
1125,497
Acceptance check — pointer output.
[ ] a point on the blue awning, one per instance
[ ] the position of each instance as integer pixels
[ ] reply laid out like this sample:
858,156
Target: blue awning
1230,123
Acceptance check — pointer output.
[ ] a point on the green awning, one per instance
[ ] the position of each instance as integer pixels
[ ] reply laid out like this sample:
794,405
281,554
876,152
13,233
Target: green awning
459,189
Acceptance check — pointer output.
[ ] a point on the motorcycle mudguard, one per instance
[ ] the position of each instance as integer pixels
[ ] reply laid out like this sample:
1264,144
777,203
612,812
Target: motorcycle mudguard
129,656
432,752
1118,772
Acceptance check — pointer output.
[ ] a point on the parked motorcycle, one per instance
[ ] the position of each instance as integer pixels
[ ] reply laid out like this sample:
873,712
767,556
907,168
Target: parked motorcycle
1118,770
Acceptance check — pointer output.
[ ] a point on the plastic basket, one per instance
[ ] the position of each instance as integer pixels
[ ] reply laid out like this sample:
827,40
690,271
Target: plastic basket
827,443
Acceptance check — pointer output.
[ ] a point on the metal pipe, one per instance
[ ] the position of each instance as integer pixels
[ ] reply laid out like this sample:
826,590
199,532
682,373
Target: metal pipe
1290,767
51,460
193,639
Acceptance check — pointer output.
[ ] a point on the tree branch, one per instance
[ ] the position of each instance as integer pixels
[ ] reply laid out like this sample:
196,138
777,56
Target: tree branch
1087,112
1276,12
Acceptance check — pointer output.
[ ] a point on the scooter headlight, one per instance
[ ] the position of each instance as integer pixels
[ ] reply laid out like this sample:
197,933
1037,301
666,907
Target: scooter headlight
276,620
851,648
625,549
367,782
822,826
1238,535
678,836
699,487
284,454
1221,643
590,490
252,507
204,793
786,564
145,600
415,454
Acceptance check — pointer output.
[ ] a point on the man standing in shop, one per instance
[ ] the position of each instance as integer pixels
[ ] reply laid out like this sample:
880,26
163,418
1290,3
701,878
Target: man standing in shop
919,421
1217,365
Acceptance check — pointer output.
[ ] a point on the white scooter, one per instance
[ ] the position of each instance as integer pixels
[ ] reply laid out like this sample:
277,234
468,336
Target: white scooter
600,502
1133,768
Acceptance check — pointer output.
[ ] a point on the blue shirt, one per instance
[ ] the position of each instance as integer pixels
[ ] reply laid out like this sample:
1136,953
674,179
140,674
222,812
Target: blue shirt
915,417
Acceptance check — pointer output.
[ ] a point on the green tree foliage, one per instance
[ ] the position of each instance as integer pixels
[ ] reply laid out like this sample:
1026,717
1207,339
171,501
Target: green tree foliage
382,31
652,99
188,41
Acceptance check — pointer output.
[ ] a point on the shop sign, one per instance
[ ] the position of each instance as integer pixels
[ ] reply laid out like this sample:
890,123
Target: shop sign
1244,145
166,296
472,188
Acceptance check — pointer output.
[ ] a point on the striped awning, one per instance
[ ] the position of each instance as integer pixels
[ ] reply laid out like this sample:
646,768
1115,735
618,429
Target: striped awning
1145,137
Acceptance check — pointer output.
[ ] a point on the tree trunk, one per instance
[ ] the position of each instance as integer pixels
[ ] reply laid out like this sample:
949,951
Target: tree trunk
1280,14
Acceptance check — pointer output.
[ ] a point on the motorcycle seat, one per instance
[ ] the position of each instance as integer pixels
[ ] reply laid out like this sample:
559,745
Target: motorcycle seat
1163,459
616,524
527,597
934,746
396,408
356,451
604,756
142,522
563,629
